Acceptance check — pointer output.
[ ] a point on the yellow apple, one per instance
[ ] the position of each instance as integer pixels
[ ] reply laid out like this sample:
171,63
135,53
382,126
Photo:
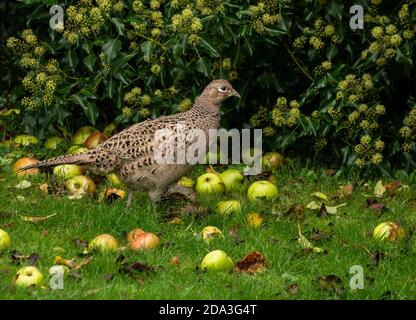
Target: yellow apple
262,190
28,276
217,261
389,231
67,171
80,183
211,232
104,243
23,162
5,240
209,183
228,206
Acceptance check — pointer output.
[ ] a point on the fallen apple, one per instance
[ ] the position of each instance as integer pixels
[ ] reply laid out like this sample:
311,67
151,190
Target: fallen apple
133,234
114,180
233,179
25,139
112,194
5,240
95,139
209,183
262,190
53,142
228,207
211,232
67,171
272,160
104,243
23,162
82,134
76,149
217,260
110,129
28,276
80,183
145,241
389,231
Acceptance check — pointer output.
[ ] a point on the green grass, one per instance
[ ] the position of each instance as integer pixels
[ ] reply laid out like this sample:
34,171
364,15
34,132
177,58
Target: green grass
349,243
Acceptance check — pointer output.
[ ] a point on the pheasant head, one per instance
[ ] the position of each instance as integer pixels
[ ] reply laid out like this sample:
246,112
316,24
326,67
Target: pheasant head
215,93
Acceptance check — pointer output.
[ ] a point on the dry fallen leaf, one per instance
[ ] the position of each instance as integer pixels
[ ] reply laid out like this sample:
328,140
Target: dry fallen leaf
44,188
71,263
346,190
392,186
252,263
255,220
296,211
36,219
24,184
321,196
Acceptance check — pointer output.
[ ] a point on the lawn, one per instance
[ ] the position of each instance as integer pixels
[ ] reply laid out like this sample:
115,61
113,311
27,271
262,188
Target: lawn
292,272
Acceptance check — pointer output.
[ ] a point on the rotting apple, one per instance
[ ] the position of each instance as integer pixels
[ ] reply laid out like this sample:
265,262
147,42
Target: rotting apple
227,207
389,231
218,261
23,162
80,183
28,276
262,189
67,171
82,134
233,179
211,232
5,240
209,183
104,243
145,241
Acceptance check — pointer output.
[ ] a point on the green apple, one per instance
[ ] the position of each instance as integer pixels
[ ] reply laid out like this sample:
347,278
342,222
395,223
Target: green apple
28,276
80,183
95,139
389,231
110,129
114,180
82,134
217,260
52,142
229,206
262,189
211,232
233,179
209,183
104,243
76,149
272,160
67,171
4,240
25,139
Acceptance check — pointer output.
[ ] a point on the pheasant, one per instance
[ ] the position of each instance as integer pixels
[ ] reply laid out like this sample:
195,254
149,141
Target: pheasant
130,153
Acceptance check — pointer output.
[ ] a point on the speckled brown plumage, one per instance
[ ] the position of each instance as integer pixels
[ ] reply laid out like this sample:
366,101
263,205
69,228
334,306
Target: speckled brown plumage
130,153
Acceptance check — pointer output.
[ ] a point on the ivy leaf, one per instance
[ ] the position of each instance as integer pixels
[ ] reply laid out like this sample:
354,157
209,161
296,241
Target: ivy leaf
111,49
118,23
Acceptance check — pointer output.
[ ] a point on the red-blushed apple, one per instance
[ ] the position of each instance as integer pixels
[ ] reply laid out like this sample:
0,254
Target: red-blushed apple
211,232
95,139
53,142
389,231
110,129
25,139
262,190
133,234
209,183
28,276
23,162
79,184
104,243
227,207
272,160
5,240
76,149
233,179
145,241
82,134
67,171
217,261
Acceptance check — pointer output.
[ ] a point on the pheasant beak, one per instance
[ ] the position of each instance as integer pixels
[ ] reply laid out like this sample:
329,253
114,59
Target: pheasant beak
235,94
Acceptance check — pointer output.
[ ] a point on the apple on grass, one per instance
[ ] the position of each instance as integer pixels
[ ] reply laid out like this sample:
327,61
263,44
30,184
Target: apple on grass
5,240
211,232
23,162
144,241
228,206
80,184
262,189
82,134
218,261
95,139
209,183
76,149
28,276
233,179
389,231
53,142
25,139
272,160
67,171
133,234
104,243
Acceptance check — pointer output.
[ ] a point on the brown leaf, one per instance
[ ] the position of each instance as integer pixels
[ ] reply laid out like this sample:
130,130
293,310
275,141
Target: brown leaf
18,257
45,233
71,263
330,172
346,190
322,211
81,243
296,211
234,234
175,261
392,186
252,263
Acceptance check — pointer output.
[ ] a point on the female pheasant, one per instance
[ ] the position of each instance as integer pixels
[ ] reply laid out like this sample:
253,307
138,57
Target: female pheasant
130,153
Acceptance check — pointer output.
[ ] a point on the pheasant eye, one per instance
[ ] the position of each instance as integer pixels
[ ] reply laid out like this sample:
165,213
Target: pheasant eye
222,89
